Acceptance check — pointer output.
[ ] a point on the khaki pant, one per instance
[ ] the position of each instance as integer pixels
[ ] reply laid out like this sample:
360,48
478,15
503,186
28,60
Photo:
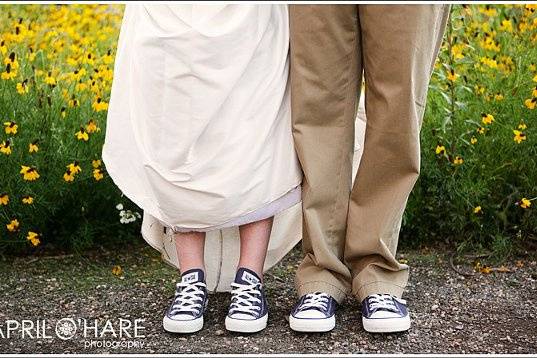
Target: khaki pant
350,236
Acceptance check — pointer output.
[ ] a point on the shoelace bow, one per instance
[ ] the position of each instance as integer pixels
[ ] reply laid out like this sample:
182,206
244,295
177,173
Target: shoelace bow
188,298
316,300
384,302
245,298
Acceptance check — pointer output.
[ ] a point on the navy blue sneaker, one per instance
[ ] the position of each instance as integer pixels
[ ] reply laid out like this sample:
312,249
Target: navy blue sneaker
384,313
248,312
314,312
185,314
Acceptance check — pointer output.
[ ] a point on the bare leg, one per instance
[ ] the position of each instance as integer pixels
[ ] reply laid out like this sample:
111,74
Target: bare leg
254,243
190,250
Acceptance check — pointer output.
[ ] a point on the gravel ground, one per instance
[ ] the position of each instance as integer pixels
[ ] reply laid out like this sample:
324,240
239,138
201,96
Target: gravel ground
451,313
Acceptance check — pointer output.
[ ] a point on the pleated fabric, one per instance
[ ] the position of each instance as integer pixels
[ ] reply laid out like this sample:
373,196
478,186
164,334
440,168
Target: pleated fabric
199,130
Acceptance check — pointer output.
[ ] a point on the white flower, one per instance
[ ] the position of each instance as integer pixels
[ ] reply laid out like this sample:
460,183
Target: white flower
128,216
119,206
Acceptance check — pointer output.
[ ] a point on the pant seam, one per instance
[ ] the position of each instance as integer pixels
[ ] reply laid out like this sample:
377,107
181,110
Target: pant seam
347,96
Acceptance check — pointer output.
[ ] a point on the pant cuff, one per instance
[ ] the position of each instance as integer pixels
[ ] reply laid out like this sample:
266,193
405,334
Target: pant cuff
320,286
377,287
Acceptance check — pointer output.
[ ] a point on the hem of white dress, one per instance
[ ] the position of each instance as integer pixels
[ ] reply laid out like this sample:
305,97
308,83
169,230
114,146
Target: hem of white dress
292,197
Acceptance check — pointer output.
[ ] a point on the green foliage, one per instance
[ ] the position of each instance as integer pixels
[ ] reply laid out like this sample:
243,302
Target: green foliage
61,60
483,68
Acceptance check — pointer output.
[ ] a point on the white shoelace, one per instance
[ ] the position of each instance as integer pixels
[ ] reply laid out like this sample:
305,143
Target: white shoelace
384,302
188,298
315,300
245,299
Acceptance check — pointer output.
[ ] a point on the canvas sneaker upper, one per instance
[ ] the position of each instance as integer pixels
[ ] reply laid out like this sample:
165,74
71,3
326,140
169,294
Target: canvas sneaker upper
248,301
190,300
382,306
316,305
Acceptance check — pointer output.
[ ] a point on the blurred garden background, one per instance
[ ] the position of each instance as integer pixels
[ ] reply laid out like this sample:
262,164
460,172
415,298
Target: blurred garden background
478,185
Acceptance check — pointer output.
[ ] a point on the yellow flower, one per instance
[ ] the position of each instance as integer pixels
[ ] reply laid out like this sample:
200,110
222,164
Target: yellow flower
33,237
522,126
456,51
77,74
530,103
9,73
108,58
477,210
91,127
96,163
4,199
29,173
13,225
489,44
489,62
73,102
532,67
89,59
481,130
498,97
82,135
32,147
473,140
488,10
50,80
27,199
458,160
74,167
22,87
99,105
519,136
68,176
12,60
98,174
63,112
525,203
479,89
452,76
534,92
117,270
487,118
506,25
31,56
10,127
440,149
80,86
535,78
5,147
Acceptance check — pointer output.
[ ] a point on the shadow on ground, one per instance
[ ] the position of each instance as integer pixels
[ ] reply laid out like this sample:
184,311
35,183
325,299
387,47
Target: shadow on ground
494,313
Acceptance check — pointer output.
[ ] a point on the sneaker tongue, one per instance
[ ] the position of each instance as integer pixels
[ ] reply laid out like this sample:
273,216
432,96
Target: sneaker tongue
193,275
246,277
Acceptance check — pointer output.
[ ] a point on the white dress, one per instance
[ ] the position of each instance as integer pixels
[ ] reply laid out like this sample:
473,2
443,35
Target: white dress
199,130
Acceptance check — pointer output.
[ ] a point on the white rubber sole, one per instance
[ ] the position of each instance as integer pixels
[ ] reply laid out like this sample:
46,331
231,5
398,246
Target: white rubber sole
176,326
246,325
312,325
386,325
